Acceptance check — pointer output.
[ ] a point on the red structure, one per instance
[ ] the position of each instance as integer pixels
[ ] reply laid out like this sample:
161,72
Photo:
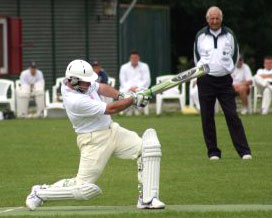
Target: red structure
10,45
14,46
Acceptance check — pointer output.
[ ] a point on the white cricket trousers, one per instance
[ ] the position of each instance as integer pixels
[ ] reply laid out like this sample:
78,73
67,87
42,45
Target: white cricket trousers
266,89
96,148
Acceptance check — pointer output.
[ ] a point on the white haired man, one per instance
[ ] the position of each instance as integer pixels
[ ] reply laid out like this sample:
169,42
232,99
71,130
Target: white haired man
99,138
263,79
32,83
216,45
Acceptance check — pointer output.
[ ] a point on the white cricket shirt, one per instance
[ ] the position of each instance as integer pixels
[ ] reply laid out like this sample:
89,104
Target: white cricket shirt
85,111
26,77
219,49
264,71
241,74
134,76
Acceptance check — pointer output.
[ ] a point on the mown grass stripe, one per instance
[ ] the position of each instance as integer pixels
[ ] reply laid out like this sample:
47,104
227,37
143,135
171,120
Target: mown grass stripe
93,210
11,209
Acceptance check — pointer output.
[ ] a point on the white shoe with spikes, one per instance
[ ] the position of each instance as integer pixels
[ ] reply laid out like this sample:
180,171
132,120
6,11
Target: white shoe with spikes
155,203
32,200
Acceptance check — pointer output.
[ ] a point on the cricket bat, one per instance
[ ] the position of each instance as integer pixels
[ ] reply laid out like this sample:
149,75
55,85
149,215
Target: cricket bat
176,80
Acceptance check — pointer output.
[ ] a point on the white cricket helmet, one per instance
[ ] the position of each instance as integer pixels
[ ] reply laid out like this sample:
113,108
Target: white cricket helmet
82,70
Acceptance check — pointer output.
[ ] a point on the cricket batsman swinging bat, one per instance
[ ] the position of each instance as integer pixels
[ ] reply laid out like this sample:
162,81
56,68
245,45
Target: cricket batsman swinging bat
176,80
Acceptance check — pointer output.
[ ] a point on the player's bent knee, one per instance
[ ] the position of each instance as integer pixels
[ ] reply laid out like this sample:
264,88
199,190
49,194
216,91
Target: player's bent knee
151,146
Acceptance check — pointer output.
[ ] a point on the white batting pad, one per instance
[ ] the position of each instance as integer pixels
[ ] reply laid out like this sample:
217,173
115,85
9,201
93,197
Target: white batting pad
80,192
38,92
22,103
24,89
39,86
40,102
151,157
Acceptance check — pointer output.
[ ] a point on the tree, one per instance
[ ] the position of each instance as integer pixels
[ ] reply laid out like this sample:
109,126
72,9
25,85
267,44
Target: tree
251,21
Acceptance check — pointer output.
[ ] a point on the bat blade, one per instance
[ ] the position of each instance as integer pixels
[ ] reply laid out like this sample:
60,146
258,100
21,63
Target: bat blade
176,80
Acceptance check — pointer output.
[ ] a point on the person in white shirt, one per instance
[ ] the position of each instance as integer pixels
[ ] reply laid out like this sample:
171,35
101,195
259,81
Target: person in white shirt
242,80
263,80
216,46
32,84
99,138
134,76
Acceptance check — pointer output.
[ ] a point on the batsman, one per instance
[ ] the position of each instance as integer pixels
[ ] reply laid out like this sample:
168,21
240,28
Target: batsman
99,138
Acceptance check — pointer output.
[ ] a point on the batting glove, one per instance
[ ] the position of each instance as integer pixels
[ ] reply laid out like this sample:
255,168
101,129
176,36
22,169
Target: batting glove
124,95
141,100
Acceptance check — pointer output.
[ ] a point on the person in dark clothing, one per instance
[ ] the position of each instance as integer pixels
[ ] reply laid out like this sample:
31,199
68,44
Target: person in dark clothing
102,75
216,46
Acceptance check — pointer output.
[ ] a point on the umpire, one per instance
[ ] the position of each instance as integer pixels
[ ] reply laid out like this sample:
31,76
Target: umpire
216,45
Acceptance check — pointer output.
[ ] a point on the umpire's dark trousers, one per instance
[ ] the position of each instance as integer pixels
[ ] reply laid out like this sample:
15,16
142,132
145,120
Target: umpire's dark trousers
211,88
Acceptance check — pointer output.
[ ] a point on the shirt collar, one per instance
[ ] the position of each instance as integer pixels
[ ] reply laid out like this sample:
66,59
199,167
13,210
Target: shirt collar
223,31
136,65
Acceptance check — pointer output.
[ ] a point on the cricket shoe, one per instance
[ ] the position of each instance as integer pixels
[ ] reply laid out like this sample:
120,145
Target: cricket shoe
244,111
32,200
247,157
214,158
155,203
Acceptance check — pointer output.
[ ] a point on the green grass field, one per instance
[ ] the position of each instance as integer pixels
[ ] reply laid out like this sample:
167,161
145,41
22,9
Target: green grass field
44,151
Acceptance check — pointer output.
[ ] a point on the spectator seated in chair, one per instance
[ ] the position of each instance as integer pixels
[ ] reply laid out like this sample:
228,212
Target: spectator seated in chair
263,80
242,80
102,75
134,76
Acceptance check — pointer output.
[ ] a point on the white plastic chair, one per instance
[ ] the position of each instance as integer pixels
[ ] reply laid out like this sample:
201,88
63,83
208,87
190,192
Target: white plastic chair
173,93
191,104
191,87
55,108
5,85
249,99
17,84
56,97
111,82
257,94
146,110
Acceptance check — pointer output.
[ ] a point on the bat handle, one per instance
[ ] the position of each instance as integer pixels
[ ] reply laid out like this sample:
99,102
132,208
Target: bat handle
147,92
